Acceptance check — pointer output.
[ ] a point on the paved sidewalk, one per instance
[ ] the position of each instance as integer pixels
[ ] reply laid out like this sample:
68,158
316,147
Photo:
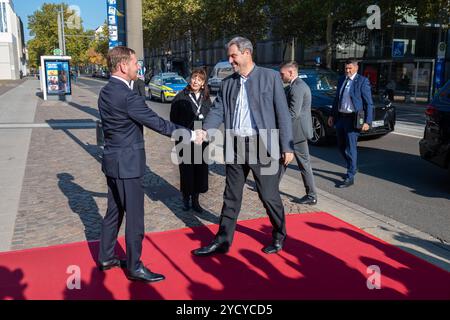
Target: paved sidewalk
17,105
63,194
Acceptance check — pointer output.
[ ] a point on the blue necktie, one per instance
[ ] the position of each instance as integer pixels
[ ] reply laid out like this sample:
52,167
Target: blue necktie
342,91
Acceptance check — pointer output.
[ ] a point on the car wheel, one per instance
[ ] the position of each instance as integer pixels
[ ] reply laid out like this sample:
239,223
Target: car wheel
163,97
319,134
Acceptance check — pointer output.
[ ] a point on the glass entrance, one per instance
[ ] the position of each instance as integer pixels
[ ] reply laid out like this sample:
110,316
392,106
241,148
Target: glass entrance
413,80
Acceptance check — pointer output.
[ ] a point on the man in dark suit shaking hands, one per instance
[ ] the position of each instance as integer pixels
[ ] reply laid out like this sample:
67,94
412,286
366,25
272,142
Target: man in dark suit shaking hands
123,114
353,95
251,102
298,96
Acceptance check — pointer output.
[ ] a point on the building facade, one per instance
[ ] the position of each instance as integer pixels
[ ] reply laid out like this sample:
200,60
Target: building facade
411,57
12,43
404,54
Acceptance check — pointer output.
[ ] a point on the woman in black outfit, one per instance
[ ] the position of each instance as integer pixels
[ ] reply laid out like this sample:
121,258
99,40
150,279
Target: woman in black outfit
190,105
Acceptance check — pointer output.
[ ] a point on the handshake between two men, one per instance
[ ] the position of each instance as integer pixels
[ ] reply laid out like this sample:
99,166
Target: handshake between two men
202,136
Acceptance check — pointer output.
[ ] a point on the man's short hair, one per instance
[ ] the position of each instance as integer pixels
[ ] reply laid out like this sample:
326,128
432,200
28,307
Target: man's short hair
118,55
241,43
289,64
351,61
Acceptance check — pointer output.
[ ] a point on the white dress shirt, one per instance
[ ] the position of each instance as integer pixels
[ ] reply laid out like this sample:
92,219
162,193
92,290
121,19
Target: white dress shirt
346,102
124,81
243,123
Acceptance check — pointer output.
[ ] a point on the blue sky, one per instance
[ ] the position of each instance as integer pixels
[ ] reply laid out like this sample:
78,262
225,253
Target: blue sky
93,12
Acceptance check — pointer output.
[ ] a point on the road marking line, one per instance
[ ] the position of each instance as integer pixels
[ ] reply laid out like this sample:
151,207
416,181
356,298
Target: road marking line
62,125
407,135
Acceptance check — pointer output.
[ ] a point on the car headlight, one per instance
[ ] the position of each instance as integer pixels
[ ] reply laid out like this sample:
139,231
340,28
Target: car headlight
329,106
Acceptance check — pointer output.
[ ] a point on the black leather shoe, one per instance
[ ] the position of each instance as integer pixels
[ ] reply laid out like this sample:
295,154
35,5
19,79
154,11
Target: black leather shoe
113,263
213,248
346,183
196,204
310,200
186,205
145,275
276,246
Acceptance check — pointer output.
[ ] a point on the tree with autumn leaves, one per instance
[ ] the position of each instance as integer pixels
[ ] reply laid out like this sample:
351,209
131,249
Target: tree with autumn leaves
308,21
84,46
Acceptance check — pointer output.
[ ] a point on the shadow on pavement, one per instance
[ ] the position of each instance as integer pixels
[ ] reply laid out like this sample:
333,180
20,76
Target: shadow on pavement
400,168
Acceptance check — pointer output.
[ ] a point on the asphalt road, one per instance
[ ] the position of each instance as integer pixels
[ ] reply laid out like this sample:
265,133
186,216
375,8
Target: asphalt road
392,180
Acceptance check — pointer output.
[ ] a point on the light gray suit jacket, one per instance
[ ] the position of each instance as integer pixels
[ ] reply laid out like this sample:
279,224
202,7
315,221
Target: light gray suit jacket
267,102
299,100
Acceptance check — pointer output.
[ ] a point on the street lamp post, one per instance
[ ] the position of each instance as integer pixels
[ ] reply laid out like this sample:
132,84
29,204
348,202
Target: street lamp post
61,36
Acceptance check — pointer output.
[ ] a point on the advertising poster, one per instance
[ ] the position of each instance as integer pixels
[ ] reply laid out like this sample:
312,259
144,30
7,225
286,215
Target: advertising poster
58,77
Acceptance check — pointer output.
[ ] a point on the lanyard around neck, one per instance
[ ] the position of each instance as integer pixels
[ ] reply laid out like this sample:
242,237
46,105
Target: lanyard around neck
199,106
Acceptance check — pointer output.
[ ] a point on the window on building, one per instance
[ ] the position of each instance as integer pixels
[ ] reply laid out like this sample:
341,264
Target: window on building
3,19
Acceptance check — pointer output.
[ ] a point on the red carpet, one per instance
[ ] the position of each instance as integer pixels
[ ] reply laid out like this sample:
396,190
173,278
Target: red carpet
323,258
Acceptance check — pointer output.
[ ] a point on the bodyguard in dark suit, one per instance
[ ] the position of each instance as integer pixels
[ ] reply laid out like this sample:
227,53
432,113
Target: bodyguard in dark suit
299,101
250,101
352,96
138,86
123,114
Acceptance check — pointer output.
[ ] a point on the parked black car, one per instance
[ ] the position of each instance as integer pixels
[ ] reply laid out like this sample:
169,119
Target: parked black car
323,85
435,145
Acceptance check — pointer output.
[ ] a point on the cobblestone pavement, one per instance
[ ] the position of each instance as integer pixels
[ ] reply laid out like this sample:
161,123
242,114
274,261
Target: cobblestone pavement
63,197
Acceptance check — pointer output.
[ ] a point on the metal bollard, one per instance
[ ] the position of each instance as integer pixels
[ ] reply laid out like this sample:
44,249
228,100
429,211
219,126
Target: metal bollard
99,133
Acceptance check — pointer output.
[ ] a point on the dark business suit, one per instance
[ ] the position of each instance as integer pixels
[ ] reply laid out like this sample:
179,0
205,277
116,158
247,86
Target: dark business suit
183,111
299,101
123,114
268,108
347,135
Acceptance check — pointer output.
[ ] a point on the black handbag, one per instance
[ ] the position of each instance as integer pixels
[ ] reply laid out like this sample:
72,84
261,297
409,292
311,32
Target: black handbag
360,119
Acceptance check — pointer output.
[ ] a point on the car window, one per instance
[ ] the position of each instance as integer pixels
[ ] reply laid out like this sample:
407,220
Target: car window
224,72
320,81
174,81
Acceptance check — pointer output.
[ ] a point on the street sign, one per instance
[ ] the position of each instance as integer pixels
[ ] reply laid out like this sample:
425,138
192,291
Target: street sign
398,49
141,71
57,52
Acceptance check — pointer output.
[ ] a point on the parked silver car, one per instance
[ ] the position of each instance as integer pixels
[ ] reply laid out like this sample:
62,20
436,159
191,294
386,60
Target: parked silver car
221,70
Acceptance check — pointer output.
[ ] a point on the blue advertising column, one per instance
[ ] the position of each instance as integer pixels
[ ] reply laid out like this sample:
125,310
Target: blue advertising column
116,23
